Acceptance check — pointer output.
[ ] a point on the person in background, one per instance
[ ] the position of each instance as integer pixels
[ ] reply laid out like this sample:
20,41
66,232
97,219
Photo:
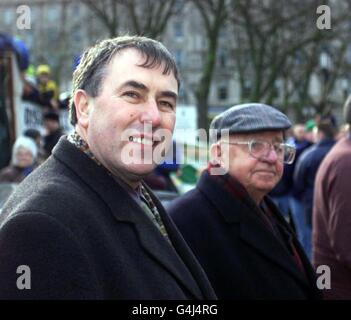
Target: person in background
47,88
24,153
64,100
342,132
30,90
53,131
238,234
282,192
309,134
331,230
306,170
37,138
304,138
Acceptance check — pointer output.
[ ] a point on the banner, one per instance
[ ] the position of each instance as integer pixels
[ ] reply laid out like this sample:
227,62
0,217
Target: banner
30,116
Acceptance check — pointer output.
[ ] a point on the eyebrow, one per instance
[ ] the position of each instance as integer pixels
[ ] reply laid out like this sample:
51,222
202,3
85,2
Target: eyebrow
134,84
274,140
169,94
141,86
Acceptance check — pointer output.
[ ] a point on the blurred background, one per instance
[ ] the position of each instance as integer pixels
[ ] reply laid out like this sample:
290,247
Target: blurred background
292,54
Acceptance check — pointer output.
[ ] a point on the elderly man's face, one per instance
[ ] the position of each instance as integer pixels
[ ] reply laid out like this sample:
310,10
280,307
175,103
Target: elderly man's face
124,121
258,176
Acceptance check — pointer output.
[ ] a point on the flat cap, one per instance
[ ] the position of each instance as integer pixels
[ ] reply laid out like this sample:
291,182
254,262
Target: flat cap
250,117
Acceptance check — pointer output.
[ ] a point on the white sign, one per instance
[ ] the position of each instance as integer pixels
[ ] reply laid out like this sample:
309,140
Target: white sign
30,116
186,116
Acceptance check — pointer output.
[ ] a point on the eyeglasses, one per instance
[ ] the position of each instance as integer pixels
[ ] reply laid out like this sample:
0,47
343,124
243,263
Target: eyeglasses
261,149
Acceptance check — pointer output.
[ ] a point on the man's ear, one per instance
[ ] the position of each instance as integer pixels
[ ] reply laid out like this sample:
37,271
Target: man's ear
219,165
81,101
215,153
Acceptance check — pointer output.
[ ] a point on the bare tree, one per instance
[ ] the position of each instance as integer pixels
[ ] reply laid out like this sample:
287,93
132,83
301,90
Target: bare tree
107,12
150,17
144,17
214,15
273,37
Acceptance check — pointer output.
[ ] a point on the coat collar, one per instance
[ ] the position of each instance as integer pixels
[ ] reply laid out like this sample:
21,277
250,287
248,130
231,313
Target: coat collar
127,210
230,211
253,230
325,142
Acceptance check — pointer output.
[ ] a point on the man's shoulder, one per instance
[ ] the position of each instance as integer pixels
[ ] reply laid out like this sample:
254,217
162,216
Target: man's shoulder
51,189
308,153
186,198
188,205
338,156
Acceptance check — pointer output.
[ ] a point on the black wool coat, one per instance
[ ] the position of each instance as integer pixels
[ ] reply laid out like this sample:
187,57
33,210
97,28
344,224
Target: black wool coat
84,237
243,259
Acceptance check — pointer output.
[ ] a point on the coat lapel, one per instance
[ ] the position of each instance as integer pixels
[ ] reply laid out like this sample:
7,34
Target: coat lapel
201,282
125,209
257,235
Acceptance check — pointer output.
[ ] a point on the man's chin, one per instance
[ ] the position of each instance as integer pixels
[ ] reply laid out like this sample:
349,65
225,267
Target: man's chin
265,185
141,170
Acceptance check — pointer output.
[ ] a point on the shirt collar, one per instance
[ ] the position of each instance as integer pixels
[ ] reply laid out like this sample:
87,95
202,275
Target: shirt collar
83,146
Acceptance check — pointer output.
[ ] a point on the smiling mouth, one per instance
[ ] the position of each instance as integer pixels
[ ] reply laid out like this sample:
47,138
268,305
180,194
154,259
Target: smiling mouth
143,140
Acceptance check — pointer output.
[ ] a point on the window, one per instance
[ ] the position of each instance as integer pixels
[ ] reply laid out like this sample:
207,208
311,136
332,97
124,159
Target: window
222,93
8,16
178,30
246,92
222,58
179,57
76,35
182,95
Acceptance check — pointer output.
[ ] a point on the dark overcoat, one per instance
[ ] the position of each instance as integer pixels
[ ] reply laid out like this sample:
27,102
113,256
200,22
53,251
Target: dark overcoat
82,236
241,256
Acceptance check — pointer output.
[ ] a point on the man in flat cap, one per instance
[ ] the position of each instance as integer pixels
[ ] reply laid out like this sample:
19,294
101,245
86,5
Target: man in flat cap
241,239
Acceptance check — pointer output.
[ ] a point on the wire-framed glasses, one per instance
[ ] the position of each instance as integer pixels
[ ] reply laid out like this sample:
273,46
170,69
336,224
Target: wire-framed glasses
261,149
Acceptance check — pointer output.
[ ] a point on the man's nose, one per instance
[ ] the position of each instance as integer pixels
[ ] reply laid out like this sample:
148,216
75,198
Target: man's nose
151,113
272,156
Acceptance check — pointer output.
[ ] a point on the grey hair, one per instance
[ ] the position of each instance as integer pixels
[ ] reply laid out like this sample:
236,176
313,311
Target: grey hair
92,68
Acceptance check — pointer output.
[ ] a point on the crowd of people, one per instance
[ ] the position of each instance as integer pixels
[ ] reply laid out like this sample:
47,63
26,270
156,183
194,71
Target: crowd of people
32,148
39,88
89,227
294,192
